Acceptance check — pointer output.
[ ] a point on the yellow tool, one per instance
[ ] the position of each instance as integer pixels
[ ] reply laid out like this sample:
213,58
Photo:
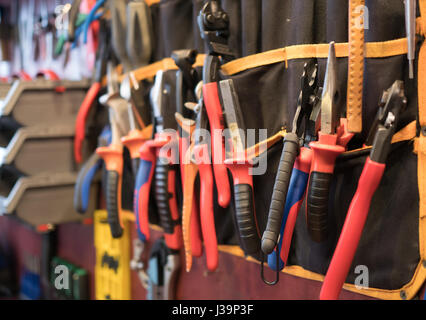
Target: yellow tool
112,270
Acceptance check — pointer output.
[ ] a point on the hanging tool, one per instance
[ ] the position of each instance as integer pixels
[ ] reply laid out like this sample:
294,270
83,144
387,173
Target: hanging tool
410,29
118,9
213,22
355,66
87,173
198,161
162,272
304,127
240,166
99,71
153,161
138,44
137,265
113,154
186,81
392,103
325,151
72,16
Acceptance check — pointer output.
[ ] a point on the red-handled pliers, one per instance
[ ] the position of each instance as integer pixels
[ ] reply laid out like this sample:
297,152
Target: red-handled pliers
393,102
214,28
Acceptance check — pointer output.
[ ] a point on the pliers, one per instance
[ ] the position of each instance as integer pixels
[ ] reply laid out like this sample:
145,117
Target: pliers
154,161
187,79
91,95
113,154
197,160
294,166
87,173
392,103
332,139
214,29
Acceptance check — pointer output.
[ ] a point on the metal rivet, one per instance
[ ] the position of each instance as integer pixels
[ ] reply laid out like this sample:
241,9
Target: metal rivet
423,130
403,295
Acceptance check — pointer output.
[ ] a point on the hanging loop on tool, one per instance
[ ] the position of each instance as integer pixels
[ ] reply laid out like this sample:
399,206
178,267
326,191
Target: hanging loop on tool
277,271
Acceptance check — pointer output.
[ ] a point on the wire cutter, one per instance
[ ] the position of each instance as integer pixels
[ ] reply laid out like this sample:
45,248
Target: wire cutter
213,22
197,160
186,90
392,103
294,166
113,154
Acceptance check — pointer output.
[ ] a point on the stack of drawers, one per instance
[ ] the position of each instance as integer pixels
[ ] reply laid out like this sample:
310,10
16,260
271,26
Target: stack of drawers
37,168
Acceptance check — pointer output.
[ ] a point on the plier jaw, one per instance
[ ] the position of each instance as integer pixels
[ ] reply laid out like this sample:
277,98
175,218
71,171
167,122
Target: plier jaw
213,22
392,103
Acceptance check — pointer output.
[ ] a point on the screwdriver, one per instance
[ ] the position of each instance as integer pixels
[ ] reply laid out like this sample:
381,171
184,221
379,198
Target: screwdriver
410,29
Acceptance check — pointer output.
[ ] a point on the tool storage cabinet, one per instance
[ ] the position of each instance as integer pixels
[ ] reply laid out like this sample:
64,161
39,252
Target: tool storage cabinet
37,169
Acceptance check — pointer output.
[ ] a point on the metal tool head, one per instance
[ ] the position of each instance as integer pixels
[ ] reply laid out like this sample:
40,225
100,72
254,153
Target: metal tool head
329,110
233,115
392,103
156,98
307,97
125,88
213,22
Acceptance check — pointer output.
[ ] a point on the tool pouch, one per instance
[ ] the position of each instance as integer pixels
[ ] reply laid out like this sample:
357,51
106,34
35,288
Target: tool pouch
268,85
272,40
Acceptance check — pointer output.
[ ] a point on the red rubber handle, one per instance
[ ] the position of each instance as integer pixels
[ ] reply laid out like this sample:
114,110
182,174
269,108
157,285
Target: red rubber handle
143,188
174,240
195,228
302,163
207,212
352,230
80,123
215,115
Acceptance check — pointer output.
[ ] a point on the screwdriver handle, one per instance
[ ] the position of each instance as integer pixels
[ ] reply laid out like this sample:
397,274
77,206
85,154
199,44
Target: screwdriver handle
276,210
206,209
352,229
113,158
244,207
215,115
142,190
325,151
295,195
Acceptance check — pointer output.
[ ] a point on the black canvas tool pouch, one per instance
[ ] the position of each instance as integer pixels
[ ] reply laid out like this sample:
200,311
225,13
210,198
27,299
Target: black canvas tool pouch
268,85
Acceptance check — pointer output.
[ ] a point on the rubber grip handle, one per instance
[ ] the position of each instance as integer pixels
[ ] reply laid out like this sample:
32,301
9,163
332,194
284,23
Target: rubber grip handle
162,195
325,151
135,166
215,115
352,229
142,190
84,181
207,214
276,210
113,202
80,123
244,209
298,182
317,205
174,239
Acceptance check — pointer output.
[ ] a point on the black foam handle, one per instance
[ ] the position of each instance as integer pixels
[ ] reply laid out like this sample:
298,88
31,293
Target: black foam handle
244,210
317,205
162,196
276,210
112,205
